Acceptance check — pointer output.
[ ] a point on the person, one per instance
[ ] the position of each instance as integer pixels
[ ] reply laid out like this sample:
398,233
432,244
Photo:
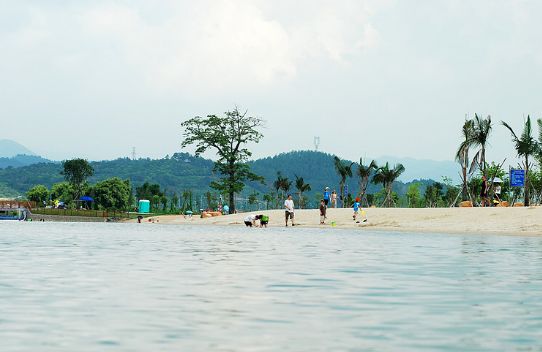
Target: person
483,192
139,218
264,220
326,196
356,207
251,220
289,209
498,190
334,199
323,209
226,209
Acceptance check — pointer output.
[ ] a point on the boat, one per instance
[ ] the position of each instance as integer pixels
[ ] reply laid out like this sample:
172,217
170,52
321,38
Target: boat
13,214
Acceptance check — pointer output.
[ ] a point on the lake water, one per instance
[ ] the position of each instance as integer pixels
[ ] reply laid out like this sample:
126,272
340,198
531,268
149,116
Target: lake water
132,287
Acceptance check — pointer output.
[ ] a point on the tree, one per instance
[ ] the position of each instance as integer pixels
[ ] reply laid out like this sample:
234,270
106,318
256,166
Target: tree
228,136
282,184
526,146
413,195
301,187
174,202
365,172
480,135
38,194
150,192
187,201
344,170
113,193
76,172
386,176
253,198
63,191
433,195
267,198
462,156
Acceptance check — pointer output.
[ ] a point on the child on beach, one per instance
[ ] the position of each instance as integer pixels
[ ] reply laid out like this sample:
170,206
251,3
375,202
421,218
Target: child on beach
323,209
356,207
264,220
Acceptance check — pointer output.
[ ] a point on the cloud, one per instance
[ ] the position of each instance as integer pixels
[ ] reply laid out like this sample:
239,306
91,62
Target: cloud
198,48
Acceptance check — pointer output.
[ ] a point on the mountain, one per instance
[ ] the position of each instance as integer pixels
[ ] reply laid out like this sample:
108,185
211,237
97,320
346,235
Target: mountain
9,148
22,160
183,171
416,169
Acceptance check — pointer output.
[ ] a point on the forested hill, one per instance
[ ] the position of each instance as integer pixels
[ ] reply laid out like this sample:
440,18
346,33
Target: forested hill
183,171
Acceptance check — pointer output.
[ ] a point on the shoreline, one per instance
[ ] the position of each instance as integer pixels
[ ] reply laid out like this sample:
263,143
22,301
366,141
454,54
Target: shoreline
491,221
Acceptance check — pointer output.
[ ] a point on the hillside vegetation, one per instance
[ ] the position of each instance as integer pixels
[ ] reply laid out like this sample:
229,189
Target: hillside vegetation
183,171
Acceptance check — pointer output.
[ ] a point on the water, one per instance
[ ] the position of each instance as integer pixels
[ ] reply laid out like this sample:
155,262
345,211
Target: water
130,287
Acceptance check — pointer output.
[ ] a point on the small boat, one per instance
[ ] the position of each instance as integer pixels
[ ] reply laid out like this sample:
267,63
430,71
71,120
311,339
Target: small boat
13,214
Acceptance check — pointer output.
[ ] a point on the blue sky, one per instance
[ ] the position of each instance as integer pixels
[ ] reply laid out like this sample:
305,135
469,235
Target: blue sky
371,78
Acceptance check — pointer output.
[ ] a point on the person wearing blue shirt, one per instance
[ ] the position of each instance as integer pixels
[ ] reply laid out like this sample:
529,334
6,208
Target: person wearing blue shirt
356,207
326,196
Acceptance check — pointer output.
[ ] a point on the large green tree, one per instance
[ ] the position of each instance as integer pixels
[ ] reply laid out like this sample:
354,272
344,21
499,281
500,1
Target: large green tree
526,146
76,172
344,170
113,193
387,176
228,136
63,191
38,194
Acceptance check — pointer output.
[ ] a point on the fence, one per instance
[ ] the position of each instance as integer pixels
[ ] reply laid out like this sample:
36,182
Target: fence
85,213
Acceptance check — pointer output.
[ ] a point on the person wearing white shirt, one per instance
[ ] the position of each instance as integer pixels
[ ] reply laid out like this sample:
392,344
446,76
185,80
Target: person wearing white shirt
289,208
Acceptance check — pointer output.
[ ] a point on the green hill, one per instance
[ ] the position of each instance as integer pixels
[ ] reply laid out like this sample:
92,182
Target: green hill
183,171
21,160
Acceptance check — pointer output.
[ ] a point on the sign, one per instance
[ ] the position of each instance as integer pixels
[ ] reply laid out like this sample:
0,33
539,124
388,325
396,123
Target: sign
517,178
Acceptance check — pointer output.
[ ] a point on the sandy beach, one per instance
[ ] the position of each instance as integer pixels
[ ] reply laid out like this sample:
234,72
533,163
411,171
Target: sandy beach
513,221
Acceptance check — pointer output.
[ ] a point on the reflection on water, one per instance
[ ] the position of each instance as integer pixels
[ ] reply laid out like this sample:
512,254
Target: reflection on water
130,287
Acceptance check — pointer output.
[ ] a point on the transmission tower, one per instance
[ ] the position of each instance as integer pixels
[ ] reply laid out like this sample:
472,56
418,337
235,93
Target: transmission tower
316,142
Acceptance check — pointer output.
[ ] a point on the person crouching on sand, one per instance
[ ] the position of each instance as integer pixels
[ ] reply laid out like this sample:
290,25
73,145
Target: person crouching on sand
322,212
264,220
251,220
289,209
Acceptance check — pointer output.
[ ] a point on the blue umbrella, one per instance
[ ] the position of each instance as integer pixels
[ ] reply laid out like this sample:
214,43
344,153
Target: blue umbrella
86,199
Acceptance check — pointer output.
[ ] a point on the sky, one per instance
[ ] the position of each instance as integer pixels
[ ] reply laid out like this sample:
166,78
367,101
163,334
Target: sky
371,78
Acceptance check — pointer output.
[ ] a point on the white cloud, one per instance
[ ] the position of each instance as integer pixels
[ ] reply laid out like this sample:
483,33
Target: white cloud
201,47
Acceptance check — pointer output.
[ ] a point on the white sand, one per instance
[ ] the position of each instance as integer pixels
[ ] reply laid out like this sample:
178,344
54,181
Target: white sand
526,221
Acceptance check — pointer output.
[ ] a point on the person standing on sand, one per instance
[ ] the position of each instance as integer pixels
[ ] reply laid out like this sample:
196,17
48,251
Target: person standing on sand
323,209
356,207
289,209
334,199
326,196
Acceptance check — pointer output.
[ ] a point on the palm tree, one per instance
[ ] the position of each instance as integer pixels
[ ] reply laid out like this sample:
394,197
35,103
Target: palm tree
481,131
387,177
344,170
278,184
526,146
462,155
301,187
364,172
